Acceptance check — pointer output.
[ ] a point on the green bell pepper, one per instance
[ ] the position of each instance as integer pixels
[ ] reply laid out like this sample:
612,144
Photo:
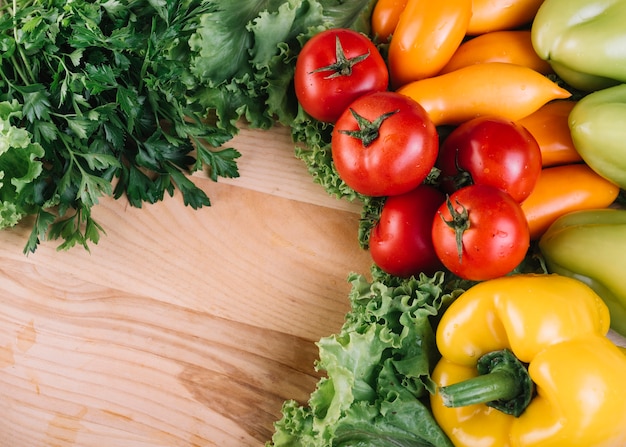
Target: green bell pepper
591,247
598,132
583,40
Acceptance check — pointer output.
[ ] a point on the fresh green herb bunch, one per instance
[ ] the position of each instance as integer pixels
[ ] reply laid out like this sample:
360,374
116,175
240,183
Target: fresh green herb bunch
94,100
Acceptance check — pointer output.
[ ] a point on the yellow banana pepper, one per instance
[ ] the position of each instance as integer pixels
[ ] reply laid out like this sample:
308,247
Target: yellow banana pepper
526,362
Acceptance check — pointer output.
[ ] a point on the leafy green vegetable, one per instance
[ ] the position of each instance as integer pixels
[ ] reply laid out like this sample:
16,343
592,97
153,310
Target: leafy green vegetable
378,369
127,97
19,164
103,88
245,52
314,149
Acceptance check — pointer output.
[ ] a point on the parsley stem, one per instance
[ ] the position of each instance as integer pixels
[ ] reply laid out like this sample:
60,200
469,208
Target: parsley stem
146,59
30,79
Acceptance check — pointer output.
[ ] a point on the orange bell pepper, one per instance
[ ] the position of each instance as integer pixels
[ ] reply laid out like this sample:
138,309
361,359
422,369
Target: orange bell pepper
427,35
549,125
492,88
563,189
513,47
498,15
385,17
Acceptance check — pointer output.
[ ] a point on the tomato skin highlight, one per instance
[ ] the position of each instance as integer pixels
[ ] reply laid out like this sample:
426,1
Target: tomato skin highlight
400,157
492,151
325,98
495,241
401,242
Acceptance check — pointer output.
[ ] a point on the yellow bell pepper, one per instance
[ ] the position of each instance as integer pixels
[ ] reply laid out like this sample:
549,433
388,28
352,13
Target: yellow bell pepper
526,362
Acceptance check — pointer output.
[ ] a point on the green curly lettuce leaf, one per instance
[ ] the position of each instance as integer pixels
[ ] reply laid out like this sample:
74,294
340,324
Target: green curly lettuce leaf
19,164
244,54
377,383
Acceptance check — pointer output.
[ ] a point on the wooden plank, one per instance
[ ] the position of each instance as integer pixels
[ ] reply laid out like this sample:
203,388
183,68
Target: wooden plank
180,328
268,164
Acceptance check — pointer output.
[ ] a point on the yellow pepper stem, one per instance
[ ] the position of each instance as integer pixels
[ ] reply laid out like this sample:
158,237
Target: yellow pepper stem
503,383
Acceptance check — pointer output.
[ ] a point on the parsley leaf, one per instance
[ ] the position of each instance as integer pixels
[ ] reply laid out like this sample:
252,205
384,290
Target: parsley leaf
103,91
130,98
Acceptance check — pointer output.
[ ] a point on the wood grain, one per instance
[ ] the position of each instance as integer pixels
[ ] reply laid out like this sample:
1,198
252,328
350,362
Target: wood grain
181,327
268,165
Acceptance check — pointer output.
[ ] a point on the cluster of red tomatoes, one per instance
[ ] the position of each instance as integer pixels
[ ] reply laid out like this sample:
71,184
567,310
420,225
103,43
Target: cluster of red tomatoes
385,145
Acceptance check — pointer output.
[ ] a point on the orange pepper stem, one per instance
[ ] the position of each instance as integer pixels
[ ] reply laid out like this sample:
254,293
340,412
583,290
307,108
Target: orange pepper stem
459,223
503,383
368,130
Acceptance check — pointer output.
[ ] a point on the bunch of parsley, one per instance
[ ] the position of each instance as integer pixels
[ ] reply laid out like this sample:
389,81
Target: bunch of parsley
127,97
99,94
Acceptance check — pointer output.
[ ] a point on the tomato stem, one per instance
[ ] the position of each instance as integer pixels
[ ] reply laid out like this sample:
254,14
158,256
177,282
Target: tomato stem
368,130
343,65
459,223
503,383
463,178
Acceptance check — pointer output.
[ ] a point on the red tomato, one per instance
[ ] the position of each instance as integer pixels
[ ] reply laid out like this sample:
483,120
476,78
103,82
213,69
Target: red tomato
384,144
480,233
334,68
491,151
401,242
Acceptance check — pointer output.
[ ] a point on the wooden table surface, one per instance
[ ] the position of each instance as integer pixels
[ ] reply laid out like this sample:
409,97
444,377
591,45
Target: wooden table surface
181,327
